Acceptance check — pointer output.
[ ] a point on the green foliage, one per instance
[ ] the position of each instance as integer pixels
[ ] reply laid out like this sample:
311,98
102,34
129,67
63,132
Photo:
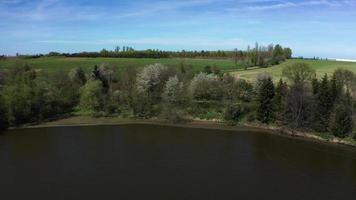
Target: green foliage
299,106
345,78
92,96
77,76
298,72
287,53
143,106
4,120
280,98
278,54
237,90
342,123
233,113
206,87
265,95
324,105
160,91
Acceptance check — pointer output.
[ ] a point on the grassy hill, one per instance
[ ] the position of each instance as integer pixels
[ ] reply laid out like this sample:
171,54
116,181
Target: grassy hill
321,67
53,64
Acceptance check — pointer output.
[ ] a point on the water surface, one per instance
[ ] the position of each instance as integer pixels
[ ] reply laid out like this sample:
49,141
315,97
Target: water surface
157,162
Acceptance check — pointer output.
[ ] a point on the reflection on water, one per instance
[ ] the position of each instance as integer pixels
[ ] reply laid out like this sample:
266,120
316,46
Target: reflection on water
146,162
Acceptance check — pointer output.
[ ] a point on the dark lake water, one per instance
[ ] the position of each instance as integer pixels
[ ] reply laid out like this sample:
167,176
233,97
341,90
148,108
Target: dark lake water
157,162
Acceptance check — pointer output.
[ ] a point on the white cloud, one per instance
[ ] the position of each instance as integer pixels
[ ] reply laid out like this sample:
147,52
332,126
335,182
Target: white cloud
289,4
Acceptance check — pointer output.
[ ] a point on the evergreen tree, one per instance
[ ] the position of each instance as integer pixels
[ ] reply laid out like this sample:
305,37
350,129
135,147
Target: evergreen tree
324,104
335,89
266,93
315,85
342,121
4,121
280,99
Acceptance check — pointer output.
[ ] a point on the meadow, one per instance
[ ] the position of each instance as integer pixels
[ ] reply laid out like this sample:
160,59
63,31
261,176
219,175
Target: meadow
53,64
321,67
56,64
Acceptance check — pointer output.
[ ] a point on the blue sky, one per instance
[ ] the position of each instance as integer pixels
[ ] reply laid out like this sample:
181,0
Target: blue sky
325,28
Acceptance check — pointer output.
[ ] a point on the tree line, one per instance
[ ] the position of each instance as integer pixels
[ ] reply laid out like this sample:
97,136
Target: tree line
263,56
300,100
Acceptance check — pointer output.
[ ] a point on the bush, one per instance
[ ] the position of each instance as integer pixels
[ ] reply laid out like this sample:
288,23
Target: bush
233,113
77,76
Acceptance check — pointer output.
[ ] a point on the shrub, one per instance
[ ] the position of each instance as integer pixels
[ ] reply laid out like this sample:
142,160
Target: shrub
77,76
233,113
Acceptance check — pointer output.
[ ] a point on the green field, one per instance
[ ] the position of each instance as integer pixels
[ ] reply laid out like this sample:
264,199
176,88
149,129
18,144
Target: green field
53,64
321,67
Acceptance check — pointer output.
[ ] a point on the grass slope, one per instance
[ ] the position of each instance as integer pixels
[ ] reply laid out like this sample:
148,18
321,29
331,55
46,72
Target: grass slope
321,67
53,64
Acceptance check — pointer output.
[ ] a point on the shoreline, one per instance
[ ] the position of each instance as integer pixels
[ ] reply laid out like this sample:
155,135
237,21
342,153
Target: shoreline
80,121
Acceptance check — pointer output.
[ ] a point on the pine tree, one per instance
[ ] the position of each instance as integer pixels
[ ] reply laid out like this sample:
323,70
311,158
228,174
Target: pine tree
335,89
324,105
266,93
280,99
4,122
342,120
315,86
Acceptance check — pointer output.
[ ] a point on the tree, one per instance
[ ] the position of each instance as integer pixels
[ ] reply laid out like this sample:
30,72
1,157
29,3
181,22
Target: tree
345,78
280,99
173,100
4,121
20,93
298,101
324,105
206,87
173,91
266,93
287,53
342,123
298,73
278,54
299,106
92,96
151,80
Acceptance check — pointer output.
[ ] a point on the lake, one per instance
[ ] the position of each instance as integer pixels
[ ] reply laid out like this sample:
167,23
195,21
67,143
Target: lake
161,162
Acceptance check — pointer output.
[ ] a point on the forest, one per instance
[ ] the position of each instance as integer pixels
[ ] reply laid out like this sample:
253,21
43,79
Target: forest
299,100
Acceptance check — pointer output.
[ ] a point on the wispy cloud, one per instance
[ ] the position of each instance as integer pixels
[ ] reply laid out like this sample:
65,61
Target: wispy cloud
273,5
